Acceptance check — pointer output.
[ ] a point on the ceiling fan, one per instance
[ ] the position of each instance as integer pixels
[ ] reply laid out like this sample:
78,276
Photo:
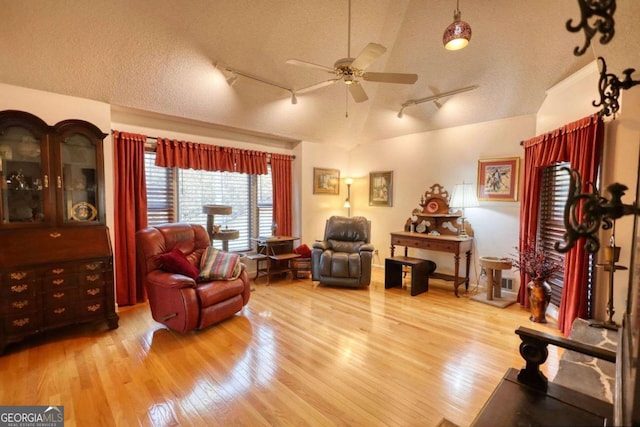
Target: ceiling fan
350,70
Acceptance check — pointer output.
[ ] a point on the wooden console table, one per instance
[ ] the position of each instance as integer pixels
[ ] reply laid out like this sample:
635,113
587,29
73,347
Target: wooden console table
442,243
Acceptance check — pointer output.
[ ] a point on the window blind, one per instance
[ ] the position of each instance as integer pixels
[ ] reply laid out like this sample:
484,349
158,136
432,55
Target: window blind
554,194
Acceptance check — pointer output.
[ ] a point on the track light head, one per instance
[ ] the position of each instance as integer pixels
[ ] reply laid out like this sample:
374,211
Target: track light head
294,99
401,113
231,80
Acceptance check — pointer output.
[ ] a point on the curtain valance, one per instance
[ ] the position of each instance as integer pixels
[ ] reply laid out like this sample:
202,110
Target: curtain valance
193,155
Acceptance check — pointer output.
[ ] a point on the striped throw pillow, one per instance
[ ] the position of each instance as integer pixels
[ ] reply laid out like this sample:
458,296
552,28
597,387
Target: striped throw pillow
219,265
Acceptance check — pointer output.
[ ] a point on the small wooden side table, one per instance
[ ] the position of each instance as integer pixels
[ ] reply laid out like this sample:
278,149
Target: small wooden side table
276,253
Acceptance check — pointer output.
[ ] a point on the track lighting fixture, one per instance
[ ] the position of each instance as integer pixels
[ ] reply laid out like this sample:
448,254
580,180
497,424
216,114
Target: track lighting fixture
457,35
235,73
231,80
434,98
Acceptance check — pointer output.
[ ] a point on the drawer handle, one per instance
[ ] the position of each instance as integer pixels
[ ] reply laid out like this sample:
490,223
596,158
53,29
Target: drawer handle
58,295
55,234
20,322
20,304
93,277
93,308
58,282
59,310
93,292
59,181
92,266
19,288
18,275
57,270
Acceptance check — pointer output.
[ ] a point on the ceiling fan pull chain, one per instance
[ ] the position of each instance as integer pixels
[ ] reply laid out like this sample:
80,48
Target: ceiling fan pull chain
346,99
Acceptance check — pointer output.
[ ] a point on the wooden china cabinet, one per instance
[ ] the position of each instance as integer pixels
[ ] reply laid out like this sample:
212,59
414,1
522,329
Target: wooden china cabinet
56,265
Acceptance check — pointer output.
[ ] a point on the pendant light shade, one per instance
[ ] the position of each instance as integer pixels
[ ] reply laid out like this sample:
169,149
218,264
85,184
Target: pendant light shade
457,35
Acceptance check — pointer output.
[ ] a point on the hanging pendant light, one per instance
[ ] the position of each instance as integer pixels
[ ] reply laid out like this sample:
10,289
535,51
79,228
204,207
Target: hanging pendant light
458,33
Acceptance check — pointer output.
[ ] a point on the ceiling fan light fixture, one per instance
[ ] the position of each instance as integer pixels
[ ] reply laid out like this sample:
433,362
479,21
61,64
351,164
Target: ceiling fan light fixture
458,34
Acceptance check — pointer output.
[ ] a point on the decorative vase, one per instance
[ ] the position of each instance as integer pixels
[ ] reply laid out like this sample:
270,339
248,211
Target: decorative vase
539,297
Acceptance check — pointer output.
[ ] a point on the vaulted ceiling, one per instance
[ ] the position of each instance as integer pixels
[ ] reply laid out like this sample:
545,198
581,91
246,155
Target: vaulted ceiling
160,56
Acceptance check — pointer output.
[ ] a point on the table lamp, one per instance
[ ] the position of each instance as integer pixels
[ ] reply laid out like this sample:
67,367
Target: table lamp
463,196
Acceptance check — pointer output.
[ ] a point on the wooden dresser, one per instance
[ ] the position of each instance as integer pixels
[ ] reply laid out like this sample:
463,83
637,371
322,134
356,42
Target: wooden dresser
56,264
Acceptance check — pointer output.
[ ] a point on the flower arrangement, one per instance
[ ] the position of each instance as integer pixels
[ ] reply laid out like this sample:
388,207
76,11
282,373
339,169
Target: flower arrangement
535,262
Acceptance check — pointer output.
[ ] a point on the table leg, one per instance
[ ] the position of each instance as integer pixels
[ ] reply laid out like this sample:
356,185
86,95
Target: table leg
466,277
456,259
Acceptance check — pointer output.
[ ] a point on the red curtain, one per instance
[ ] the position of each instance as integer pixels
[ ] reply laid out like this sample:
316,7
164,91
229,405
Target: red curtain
130,213
282,199
192,155
579,143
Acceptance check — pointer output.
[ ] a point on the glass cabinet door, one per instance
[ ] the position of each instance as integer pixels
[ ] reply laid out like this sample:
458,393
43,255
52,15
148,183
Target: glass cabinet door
23,179
79,179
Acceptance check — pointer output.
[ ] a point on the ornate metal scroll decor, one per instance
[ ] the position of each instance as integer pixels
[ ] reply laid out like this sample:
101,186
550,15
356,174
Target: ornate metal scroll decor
595,210
609,87
596,16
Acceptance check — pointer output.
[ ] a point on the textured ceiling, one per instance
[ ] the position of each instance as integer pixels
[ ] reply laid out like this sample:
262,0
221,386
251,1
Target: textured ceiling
159,56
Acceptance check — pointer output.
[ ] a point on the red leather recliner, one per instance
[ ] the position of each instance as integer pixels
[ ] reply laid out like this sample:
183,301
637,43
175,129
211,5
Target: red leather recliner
178,301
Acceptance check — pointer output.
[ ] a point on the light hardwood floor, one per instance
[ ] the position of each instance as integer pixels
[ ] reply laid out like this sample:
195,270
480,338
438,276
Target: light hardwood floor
296,355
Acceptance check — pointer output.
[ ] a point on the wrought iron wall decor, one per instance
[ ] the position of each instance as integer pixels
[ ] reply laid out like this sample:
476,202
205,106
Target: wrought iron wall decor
609,87
595,210
603,10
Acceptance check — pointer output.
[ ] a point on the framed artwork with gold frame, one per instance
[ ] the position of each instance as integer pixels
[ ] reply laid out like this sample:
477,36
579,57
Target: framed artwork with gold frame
381,188
326,181
498,179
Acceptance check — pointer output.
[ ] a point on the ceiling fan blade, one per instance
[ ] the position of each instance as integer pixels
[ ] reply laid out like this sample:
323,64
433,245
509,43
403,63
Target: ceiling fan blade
316,86
370,53
301,63
357,92
407,79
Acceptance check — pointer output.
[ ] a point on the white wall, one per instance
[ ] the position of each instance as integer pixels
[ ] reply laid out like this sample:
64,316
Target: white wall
317,208
447,157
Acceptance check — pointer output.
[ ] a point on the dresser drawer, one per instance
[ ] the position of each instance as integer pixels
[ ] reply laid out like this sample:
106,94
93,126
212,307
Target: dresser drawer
95,266
17,305
91,292
93,279
434,245
19,275
22,323
23,289
51,283
91,308
58,297
59,270
55,315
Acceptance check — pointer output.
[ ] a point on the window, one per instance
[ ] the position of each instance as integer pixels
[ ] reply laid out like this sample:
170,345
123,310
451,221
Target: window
179,194
554,194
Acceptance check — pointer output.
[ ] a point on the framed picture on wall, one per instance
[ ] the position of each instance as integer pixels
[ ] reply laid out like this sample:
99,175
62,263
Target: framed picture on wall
381,188
326,181
498,179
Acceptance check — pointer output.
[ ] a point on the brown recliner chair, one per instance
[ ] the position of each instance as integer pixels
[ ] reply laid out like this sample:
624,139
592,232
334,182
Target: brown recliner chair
344,257
178,301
